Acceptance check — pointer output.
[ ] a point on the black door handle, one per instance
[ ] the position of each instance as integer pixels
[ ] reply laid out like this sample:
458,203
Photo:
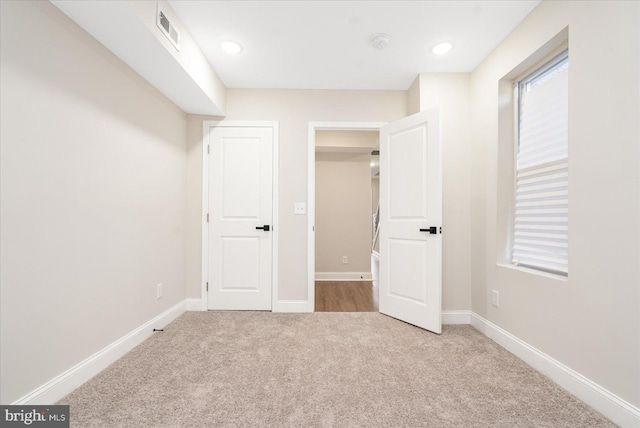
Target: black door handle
265,227
432,230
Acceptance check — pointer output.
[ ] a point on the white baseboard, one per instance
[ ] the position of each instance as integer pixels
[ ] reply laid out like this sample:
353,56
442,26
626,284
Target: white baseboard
291,306
194,304
610,405
63,384
343,276
456,317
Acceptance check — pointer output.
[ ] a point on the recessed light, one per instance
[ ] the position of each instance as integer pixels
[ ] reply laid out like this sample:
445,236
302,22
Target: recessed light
230,46
372,164
442,48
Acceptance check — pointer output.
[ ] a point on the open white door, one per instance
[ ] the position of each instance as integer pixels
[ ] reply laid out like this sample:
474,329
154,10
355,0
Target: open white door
411,220
240,218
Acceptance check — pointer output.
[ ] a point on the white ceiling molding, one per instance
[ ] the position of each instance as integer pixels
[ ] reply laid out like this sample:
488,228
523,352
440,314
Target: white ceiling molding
119,28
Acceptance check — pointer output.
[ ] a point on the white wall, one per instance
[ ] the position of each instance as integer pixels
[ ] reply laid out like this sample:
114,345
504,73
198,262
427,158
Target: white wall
92,197
450,93
343,212
413,97
293,109
590,322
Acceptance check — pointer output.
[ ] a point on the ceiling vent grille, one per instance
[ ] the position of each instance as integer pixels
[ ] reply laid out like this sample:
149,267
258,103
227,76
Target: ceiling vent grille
167,29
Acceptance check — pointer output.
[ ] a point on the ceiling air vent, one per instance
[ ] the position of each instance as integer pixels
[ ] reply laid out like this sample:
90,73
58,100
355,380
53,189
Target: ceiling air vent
167,29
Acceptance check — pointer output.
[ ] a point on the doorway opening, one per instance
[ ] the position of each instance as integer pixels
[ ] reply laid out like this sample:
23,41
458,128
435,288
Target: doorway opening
343,204
347,195
410,217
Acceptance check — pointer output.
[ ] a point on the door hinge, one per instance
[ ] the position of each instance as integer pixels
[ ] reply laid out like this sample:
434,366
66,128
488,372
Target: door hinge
207,217
208,147
207,286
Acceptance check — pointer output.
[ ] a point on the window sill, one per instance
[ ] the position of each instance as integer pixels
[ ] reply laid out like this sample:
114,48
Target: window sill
534,271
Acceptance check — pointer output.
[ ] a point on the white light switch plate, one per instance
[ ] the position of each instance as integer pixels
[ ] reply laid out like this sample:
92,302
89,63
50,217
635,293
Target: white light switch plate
299,208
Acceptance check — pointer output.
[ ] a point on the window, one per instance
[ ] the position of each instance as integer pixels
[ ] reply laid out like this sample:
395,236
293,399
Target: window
540,235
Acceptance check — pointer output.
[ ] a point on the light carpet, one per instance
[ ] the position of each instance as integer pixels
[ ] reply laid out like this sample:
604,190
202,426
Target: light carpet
255,369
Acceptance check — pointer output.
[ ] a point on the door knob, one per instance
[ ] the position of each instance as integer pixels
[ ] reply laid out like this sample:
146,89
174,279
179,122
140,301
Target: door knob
265,227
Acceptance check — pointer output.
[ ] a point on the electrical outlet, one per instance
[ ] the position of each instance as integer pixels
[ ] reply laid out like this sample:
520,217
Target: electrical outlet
495,298
345,260
159,291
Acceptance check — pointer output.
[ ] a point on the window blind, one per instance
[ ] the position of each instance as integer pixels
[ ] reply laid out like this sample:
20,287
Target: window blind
540,238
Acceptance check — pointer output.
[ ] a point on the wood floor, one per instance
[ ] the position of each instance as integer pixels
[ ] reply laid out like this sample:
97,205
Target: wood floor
346,296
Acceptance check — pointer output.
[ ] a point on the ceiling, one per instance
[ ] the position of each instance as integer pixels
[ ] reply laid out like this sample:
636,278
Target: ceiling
326,44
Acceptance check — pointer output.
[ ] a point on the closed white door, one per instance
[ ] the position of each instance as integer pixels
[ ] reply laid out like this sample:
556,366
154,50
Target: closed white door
240,218
411,220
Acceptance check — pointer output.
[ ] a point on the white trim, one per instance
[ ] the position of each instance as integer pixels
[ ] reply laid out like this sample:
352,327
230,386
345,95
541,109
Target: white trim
275,195
63,384
610,405
291,306
456,317
206,126
204,268
311,192
343,276
194,304
311,218
538,272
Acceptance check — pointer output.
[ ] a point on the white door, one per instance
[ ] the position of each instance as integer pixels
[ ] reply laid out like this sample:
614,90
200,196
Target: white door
240,218
411,220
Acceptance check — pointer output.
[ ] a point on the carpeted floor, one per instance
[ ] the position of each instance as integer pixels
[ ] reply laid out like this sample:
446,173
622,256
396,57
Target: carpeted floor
253,369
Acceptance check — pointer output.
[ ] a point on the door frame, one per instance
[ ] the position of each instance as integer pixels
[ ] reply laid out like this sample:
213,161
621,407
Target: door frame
311,194
204,277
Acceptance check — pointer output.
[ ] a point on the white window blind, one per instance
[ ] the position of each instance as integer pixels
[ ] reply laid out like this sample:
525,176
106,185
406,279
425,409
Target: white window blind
540,238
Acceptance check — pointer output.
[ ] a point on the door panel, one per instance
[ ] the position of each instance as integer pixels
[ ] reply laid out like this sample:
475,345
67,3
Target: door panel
240,264
240,200
411,199
407,257
408,194
241,177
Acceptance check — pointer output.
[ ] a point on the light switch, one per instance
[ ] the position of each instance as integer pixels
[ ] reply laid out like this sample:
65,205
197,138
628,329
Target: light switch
299,208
